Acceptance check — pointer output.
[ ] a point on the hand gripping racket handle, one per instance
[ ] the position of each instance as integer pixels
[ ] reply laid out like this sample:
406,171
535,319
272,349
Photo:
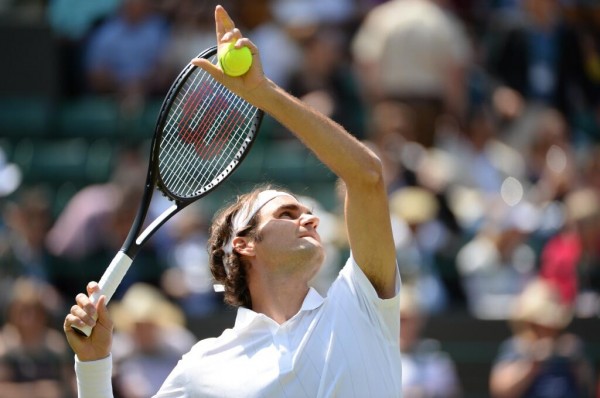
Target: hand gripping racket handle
108,284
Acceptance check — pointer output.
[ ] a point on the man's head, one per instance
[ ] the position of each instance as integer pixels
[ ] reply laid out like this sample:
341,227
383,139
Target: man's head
266,230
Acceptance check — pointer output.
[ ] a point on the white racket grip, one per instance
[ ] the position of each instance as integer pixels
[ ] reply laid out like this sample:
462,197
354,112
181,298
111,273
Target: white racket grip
112,277
109,282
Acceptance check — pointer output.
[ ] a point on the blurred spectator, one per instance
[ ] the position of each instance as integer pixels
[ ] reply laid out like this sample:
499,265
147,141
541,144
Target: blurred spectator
34,359
124,54
481,161
325,82
80,228
571,259
536,58
94,224
499,261
150,338
427,371
72,21
188,279
28,219
416,52
590,168
30,12
418,236
589,19
10,176
391,129
191,32
588,24
584,17
299,12
551,168
541,359
270,31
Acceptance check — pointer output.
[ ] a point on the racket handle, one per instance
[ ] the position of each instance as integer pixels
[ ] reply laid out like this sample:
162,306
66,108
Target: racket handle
109,282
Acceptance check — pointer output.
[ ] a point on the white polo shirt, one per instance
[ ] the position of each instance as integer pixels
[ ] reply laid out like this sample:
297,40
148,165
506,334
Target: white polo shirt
345,345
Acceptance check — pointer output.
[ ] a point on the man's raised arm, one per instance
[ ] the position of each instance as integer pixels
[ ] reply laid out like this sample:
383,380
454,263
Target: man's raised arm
366,203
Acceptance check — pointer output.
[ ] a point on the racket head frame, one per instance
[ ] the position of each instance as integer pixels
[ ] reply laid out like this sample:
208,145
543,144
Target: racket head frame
136,238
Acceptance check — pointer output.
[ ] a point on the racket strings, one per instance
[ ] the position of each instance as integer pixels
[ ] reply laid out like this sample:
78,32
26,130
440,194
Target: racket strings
209,152
183,111
206,131
209,117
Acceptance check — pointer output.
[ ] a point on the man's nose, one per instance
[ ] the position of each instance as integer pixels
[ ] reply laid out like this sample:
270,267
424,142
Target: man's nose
309,219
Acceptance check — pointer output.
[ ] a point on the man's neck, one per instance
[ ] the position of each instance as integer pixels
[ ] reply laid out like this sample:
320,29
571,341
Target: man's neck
278,298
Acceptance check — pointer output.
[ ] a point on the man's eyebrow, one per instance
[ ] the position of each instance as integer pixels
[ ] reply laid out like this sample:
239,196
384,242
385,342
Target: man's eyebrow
294,207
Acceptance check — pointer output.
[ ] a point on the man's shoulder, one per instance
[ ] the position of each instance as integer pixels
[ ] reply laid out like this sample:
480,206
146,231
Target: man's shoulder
210,345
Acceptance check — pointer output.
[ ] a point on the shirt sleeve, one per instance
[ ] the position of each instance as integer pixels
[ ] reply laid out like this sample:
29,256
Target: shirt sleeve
94,378
353,284
175,384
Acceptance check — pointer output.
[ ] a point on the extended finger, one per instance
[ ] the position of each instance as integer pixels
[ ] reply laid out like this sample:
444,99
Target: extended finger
223,22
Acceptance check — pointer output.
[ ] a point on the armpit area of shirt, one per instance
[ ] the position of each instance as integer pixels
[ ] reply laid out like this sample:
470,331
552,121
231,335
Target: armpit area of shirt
355,273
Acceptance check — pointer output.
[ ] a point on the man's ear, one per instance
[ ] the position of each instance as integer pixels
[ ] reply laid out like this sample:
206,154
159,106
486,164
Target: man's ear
243,245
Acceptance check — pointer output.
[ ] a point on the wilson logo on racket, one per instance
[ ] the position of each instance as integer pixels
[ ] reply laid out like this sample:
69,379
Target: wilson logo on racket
207,121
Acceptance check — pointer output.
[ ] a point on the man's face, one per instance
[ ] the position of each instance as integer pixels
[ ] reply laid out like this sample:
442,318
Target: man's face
288,234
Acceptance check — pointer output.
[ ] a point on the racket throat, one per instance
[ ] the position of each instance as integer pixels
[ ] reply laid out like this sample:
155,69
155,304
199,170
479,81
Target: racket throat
160,220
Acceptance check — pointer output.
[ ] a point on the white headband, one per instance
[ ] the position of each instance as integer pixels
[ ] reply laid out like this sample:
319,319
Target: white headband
245,214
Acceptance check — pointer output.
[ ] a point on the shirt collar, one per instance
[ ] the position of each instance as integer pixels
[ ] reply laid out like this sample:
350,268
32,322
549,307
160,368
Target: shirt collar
245,316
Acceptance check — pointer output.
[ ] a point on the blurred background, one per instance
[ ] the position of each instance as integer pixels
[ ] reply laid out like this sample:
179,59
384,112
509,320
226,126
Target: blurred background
485,115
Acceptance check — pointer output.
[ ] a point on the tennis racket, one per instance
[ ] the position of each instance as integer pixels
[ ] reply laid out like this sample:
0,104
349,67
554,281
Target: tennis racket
202,134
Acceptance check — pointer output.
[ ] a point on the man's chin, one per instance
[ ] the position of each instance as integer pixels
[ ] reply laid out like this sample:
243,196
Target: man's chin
318,254
312,251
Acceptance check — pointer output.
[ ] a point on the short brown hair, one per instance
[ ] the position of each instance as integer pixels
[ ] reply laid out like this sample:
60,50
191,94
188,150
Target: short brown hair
228,269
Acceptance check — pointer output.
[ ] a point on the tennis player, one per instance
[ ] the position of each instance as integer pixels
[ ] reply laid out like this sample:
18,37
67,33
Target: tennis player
287,340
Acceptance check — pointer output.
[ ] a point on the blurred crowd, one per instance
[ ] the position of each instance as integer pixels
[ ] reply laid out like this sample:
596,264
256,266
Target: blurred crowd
486,115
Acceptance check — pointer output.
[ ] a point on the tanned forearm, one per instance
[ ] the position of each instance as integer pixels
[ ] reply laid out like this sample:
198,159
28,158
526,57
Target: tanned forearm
348,158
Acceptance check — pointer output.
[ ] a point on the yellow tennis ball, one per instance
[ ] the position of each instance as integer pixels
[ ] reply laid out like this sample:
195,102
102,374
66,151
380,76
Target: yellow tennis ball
235,61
